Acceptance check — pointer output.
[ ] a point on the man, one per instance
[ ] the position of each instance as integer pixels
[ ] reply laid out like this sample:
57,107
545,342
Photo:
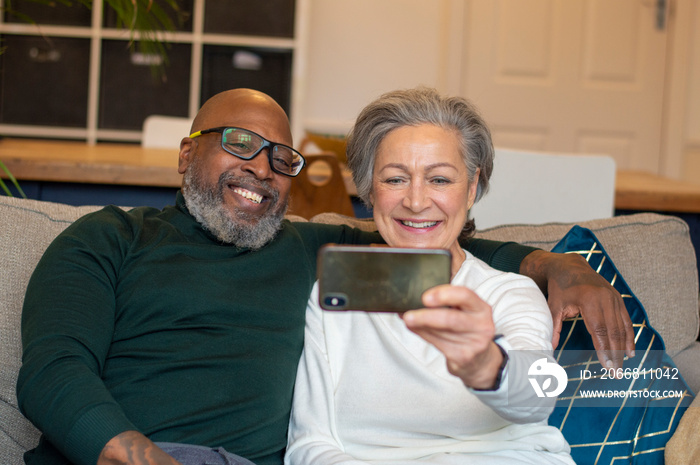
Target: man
146,328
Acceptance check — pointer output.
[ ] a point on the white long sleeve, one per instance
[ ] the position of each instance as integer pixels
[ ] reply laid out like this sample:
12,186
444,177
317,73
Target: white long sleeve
369,391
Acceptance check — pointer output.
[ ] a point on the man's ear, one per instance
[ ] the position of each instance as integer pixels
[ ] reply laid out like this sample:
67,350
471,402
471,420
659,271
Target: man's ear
187,152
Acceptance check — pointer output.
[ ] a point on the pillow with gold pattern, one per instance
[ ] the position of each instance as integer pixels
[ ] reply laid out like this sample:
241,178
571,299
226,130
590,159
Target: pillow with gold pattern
616,416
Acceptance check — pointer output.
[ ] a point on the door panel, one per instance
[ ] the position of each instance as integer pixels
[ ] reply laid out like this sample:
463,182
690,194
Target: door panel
569,76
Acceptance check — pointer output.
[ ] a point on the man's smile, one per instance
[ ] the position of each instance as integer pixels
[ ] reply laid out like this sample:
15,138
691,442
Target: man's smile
252,196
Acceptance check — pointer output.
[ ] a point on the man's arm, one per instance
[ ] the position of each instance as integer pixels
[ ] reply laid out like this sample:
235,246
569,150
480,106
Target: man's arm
572,288
504,256
67,329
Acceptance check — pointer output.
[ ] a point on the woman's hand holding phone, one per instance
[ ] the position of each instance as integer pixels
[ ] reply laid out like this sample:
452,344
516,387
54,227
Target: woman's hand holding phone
460,325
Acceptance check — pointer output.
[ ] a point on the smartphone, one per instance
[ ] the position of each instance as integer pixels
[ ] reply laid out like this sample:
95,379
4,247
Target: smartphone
379,279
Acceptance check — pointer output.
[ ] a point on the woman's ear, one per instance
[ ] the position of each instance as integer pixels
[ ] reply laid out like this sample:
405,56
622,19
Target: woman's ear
473,185
187,151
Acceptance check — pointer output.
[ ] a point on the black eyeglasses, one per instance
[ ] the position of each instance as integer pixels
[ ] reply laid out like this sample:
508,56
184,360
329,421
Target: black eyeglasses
246,144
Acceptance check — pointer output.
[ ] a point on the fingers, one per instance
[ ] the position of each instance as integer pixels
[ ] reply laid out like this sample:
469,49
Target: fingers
629,333
560,313
601,327
556,332
611,329
623,336
456,317
617,334
576,289
460,297
460,325
442,301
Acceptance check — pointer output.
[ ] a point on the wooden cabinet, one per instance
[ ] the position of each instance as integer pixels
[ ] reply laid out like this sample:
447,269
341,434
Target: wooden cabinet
72,74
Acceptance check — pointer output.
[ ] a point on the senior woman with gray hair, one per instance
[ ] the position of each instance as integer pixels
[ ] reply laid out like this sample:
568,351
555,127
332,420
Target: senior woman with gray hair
447,384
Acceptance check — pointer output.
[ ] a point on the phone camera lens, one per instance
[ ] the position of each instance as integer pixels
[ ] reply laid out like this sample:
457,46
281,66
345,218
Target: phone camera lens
334,301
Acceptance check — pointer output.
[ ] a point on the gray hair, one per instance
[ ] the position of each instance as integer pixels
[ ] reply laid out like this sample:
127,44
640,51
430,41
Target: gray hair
414,107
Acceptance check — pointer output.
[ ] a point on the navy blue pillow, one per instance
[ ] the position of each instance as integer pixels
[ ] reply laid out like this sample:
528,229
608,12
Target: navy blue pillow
634,427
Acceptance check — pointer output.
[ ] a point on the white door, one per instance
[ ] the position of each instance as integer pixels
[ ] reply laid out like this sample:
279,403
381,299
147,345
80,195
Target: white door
576,76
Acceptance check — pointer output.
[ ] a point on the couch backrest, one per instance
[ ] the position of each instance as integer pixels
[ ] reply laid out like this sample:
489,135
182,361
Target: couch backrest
26,229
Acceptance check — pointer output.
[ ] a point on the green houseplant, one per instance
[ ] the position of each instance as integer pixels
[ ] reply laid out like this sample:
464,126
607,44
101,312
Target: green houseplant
12,179
146,20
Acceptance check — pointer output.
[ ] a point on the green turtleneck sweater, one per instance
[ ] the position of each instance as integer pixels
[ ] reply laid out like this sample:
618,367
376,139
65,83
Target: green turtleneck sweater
142,320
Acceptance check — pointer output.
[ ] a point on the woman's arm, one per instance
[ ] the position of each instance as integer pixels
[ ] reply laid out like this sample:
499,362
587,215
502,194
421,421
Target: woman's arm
462,326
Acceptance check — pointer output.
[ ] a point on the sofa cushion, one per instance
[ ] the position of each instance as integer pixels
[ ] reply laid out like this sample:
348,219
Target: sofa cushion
28,226
684,447
635,428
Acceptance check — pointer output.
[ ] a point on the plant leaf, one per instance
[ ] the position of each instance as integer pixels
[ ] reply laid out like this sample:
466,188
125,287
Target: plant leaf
4,187
146,20
13,180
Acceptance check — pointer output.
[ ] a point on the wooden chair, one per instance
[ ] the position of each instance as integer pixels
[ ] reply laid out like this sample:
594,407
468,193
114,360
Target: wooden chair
320,188
165,132
322,142
539,187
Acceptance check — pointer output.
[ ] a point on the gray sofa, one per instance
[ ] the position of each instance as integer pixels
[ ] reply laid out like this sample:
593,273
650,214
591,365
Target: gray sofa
653,253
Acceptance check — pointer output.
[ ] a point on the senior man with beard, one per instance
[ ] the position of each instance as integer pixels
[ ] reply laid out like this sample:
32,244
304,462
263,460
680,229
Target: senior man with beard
165,336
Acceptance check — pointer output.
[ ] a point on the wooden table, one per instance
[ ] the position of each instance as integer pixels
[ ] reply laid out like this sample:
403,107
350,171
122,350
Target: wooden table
64,161
129,164
648,192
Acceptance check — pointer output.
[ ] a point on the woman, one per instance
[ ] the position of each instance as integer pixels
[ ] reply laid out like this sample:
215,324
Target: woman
443,385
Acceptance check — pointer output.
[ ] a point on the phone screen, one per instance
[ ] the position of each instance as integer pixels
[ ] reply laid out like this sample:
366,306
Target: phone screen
379,279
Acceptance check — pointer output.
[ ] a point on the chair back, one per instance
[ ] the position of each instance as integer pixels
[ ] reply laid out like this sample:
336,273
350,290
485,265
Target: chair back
535,188
164,132
320,188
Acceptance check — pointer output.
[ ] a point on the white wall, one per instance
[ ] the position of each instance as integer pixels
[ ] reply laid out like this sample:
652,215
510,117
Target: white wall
358,49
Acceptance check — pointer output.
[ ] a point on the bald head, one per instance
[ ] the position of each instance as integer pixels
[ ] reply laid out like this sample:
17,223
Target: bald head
243,108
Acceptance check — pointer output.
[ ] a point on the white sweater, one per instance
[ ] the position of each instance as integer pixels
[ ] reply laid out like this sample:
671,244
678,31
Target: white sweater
369,391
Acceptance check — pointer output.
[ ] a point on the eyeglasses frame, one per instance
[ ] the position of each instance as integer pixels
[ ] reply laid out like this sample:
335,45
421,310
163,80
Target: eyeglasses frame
266,144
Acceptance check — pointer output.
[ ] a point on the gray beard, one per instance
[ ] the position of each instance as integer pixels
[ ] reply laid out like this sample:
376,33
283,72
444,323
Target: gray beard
237,228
